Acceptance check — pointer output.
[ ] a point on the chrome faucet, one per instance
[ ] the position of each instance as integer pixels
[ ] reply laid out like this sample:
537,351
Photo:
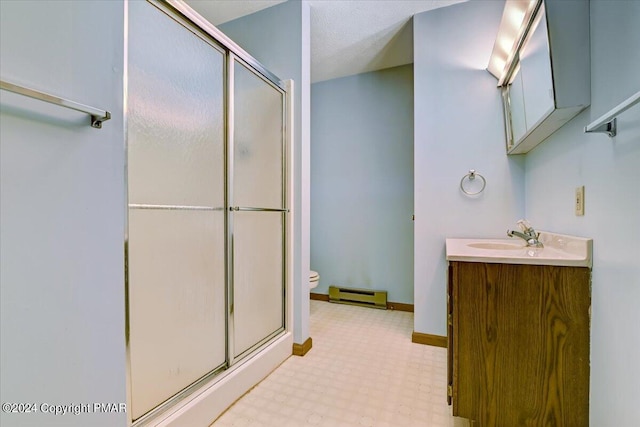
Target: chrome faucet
528,234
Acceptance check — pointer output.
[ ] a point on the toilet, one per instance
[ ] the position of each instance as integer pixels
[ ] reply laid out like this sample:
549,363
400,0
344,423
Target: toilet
314,279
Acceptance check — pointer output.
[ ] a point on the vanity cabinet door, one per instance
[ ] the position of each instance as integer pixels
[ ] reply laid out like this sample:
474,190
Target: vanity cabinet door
521,344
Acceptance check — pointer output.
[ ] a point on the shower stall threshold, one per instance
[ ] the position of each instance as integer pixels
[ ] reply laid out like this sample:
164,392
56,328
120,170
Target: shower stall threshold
204,406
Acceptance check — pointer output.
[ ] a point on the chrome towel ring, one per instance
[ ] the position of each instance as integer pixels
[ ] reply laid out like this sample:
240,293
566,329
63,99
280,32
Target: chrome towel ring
470,178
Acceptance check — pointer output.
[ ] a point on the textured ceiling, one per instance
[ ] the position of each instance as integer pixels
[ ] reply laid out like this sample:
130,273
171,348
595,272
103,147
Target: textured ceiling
356,36
347,36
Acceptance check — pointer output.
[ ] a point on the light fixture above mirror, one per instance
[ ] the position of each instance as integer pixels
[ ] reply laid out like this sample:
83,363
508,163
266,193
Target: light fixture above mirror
511,35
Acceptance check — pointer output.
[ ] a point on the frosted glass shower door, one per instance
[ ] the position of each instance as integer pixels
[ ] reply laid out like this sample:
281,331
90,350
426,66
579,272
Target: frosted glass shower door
258,209
176,180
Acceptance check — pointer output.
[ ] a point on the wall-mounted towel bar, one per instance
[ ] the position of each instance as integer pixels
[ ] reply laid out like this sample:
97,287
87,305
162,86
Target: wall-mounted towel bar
97,116
607,123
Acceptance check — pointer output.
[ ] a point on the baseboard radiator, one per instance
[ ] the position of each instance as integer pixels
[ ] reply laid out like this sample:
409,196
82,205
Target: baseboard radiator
361,297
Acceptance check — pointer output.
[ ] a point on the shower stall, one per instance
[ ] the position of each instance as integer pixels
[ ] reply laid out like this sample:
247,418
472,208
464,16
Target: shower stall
208,167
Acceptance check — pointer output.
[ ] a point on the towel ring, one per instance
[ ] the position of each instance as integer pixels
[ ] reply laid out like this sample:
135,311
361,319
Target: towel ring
472,176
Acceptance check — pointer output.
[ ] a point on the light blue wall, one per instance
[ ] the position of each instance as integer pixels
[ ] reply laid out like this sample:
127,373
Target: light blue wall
279,38
608,168
458,126
362,182
62,212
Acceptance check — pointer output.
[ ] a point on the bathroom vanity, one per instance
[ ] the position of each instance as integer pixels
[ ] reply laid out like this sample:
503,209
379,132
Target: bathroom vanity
518,331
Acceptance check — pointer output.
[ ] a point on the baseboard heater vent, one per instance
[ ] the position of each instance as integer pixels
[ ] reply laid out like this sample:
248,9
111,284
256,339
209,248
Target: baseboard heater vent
362,297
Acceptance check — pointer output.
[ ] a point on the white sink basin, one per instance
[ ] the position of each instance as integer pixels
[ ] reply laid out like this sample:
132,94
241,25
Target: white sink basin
495,246
559,249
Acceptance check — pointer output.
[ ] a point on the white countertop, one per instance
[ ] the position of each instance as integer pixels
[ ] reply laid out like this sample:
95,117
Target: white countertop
559,249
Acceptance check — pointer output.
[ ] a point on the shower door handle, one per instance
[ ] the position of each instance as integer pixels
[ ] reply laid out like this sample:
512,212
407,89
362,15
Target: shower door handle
249,209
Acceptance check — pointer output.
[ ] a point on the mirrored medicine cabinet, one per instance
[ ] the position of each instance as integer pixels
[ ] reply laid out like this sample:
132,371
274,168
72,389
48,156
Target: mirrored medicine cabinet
544,74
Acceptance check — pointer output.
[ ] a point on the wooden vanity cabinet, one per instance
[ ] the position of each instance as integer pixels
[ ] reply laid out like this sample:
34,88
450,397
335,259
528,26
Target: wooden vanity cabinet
519,344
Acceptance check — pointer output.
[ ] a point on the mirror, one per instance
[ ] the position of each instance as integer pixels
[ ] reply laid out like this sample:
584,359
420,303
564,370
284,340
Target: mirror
541,58
529,96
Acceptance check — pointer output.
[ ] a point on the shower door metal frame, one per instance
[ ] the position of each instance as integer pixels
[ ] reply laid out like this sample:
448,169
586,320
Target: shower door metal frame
184,15
196,20
184,393
232,59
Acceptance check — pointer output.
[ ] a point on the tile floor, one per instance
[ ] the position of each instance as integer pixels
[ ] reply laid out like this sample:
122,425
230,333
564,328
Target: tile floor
363,370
